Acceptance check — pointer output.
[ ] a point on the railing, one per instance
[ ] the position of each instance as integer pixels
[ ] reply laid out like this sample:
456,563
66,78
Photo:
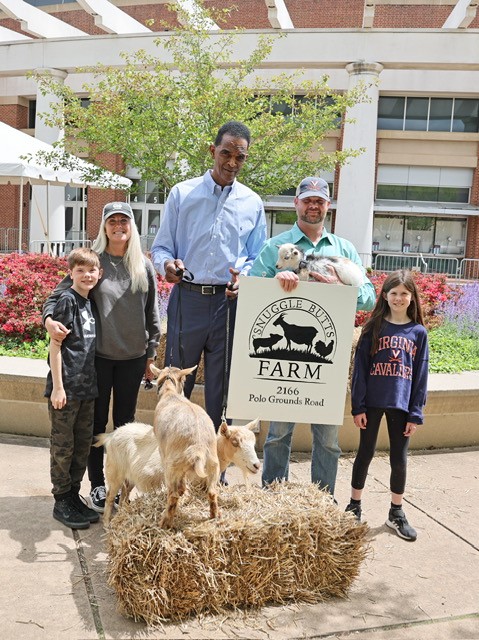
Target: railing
57,247
417,262
469,269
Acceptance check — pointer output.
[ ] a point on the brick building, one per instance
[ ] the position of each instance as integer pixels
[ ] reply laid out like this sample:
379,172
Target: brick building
411,198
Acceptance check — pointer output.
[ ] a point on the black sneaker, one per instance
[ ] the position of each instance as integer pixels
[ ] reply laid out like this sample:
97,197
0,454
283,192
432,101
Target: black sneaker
65,512
354,509
81,506
397,521
116,501
97,499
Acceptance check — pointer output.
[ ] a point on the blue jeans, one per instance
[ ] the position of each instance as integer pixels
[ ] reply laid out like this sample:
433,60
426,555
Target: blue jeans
324,456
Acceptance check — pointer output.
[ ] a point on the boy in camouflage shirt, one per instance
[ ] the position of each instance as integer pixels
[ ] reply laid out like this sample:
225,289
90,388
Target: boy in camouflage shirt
71,389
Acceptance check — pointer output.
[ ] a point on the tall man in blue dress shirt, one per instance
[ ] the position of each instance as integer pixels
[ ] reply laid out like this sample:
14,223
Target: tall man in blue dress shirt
312,203
215,227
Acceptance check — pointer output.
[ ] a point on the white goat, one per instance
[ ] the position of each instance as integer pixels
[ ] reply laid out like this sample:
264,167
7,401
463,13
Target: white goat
237,445
186,439
132,460
291,257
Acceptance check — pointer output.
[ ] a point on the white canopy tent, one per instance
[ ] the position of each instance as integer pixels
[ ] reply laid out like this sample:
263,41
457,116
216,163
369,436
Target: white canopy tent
15,169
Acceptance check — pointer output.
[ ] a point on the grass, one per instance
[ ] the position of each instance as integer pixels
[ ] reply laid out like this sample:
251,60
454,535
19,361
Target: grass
451,351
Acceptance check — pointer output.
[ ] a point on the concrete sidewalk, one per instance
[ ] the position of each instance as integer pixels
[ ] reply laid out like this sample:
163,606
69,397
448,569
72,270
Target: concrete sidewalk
53,583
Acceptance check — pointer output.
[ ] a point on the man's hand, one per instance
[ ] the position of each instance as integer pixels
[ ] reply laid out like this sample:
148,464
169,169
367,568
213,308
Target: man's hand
56,330
233,284
174,270
331,279
288,280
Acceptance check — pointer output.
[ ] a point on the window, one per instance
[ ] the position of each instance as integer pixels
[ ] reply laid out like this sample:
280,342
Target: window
424,184
419,234
147,191
428,114
32,113
391,113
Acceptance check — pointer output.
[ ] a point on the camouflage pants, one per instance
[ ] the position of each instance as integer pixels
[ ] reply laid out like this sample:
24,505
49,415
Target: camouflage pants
70,442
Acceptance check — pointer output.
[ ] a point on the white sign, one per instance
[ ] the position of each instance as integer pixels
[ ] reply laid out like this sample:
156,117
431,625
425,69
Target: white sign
291,351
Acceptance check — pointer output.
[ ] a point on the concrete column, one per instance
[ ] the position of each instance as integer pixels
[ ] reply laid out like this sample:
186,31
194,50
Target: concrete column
47,212
355,201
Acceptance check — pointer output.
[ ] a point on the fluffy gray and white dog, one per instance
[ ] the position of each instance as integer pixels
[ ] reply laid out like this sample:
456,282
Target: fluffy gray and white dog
292,258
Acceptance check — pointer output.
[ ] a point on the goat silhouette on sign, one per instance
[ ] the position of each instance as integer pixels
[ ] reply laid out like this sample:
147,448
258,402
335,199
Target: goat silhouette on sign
295,333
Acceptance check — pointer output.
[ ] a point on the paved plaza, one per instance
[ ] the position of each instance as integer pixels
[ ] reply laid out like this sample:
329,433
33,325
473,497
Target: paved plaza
53,582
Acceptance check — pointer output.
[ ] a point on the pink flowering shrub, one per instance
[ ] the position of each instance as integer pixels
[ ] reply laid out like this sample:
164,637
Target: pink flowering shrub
434,291
26,280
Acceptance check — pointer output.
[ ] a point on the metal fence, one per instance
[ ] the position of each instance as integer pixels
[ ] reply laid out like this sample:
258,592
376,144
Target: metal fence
9,239
469,269
418,262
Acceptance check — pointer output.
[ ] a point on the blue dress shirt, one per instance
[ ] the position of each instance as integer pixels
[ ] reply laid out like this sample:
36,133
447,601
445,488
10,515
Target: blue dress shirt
210,229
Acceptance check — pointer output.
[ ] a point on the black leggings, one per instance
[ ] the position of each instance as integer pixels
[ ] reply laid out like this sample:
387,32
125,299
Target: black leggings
398,446
124,378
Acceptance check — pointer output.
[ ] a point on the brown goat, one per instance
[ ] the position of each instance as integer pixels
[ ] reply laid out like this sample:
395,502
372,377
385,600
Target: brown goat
186,440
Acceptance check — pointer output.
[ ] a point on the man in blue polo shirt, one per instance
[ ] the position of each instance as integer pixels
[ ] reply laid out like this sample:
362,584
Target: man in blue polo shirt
214,227
312,203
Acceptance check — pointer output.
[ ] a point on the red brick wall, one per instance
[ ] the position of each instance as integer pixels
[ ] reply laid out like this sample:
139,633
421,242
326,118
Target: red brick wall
14,25
81,20
395,16
326,14
157,12
248,14
472,242
15,115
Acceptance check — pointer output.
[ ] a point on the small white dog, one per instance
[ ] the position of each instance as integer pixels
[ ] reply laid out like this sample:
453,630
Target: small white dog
291,257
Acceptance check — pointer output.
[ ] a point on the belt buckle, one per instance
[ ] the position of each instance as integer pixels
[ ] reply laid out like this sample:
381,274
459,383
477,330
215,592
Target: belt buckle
207,289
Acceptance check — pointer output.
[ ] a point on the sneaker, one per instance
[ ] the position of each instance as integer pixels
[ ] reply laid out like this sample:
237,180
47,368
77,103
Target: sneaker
80,505
97,499
65,512
223,481
397,521
355,509
116,501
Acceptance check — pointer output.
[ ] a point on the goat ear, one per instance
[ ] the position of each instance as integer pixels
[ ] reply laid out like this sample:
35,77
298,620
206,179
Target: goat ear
253,425
186,372
224,430
154,370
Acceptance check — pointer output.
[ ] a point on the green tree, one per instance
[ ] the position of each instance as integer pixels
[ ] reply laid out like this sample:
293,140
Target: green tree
161,113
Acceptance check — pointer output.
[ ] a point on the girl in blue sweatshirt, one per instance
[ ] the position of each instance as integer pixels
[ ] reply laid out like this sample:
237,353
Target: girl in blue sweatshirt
390,377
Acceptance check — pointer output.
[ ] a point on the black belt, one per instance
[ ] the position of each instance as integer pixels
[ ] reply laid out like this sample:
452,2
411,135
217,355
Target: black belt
204,289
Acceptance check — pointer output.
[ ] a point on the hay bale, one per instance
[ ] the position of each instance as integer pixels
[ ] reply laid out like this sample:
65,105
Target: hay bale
290,543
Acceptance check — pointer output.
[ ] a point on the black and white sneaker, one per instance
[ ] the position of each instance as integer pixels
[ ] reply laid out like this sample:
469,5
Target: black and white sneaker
355,509
97,499
398,521
116,501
